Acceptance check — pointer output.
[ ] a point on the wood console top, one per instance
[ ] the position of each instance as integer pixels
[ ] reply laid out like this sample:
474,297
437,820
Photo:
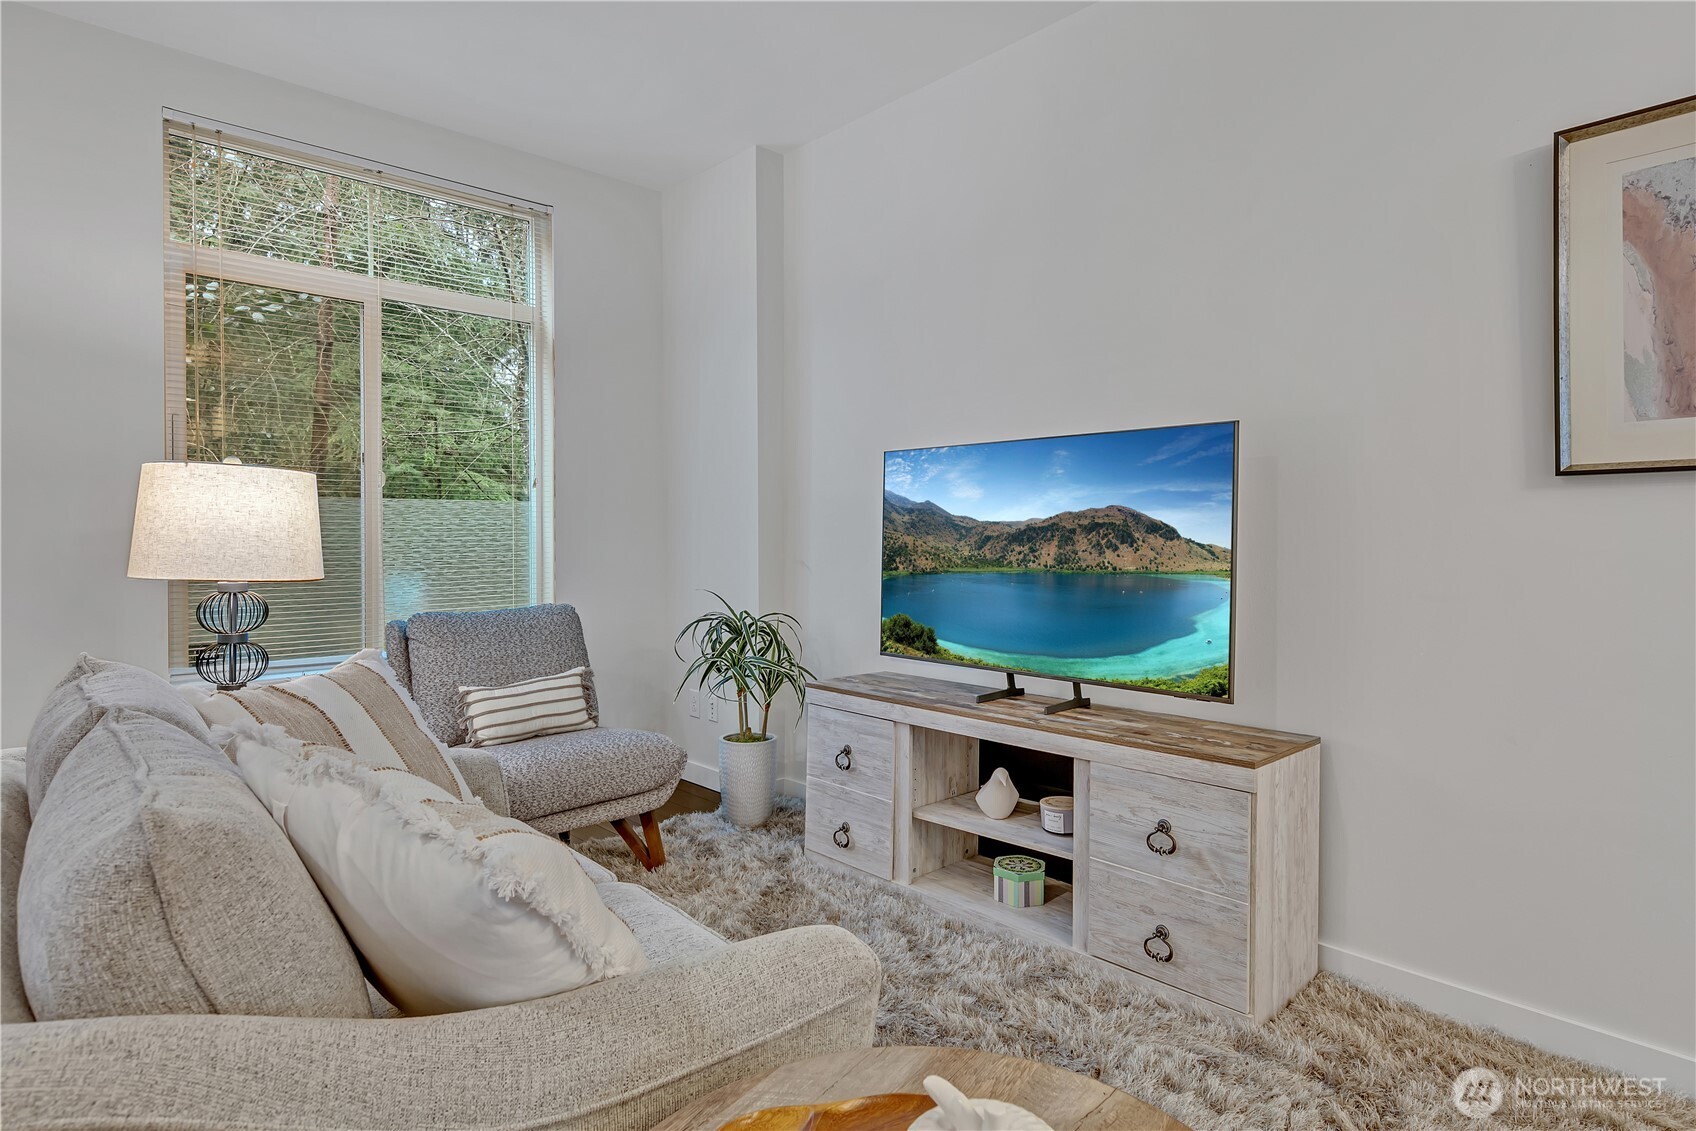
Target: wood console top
1228,743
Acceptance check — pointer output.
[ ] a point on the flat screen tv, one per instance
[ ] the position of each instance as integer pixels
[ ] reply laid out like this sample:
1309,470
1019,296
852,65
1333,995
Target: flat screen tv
1103,558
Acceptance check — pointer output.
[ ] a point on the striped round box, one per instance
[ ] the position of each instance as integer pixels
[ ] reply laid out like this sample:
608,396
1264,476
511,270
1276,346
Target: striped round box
1018,880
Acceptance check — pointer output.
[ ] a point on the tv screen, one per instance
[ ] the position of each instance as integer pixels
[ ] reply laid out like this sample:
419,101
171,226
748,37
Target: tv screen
1103,558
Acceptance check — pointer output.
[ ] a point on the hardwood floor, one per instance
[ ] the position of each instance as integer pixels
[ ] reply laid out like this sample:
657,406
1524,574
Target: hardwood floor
689,798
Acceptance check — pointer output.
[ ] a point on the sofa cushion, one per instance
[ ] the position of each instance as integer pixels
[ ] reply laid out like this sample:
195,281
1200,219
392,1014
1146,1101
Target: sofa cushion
154,882
452,907
598,873
482,776
560,772
358,705
665,933
90,689
14,831
447,651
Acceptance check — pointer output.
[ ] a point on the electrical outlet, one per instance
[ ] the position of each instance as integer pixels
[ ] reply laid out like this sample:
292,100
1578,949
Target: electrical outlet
712,708
694,704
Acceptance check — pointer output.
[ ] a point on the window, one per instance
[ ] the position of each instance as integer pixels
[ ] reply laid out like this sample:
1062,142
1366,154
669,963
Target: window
387,333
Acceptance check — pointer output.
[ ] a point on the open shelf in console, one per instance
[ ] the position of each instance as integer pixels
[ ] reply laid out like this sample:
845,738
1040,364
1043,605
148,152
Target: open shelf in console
967,888
1023,828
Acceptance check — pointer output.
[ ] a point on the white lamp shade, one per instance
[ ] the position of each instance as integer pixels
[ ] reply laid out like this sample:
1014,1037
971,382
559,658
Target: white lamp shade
226,522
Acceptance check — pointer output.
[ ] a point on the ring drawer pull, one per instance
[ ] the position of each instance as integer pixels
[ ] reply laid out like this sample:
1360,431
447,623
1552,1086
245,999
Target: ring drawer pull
1162,936
842,839
845,758
1162,828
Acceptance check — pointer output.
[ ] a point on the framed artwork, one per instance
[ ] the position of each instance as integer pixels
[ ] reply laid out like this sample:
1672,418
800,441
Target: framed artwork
1625,292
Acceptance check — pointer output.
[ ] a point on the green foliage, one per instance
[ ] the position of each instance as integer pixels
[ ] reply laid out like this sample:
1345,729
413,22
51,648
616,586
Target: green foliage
901,632
758,656
1214,681
904,636
456,405
252,377
228,198
274,377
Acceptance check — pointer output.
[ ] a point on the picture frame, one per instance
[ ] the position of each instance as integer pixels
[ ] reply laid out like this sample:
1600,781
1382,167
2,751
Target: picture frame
1625,355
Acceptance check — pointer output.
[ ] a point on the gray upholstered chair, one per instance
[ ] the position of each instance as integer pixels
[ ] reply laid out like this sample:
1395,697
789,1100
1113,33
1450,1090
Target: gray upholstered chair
557,782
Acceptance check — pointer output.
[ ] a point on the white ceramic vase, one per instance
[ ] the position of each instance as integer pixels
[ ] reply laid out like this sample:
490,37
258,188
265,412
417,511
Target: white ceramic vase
747,780
998,798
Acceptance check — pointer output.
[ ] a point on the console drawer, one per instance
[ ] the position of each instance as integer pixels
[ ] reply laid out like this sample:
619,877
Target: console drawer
1206,831
1207,934
849,827
854,751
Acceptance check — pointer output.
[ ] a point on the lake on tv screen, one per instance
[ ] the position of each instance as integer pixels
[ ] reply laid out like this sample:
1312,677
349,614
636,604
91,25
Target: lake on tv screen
1103,558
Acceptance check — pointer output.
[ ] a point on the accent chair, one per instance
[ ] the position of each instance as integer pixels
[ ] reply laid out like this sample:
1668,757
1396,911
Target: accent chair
557,782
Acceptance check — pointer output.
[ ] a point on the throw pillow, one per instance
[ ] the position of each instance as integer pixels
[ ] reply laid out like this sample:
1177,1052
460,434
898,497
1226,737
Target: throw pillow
73,708
451,906
155,882
447,651
358,706
552,704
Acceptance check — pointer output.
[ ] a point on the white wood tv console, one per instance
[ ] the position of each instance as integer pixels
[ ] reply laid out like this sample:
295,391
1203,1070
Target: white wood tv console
1195,852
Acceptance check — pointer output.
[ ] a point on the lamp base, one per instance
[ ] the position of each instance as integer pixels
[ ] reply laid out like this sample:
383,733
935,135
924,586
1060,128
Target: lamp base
229,614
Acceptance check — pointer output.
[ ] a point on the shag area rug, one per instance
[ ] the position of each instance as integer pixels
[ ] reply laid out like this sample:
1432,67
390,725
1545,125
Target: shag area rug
1338,1056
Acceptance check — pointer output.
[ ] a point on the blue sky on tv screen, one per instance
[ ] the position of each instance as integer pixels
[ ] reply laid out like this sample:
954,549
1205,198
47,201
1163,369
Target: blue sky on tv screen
1179,475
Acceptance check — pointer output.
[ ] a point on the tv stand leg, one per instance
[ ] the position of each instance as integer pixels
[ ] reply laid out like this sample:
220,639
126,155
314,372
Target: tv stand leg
1077,702
1011,691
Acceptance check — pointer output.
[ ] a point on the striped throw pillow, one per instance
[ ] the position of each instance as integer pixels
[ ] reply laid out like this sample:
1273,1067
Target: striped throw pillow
552,704
358,705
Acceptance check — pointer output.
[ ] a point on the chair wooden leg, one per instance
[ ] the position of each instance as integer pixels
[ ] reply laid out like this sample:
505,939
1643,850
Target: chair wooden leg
649,848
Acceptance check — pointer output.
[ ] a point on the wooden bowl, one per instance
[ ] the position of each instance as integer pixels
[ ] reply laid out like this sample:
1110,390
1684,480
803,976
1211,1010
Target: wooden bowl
892,1112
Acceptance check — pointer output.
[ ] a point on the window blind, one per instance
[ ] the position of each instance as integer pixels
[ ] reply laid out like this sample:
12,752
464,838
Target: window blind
389,336
272,377
458,520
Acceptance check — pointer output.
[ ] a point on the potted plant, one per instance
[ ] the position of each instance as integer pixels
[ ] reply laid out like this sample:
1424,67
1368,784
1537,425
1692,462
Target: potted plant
759,657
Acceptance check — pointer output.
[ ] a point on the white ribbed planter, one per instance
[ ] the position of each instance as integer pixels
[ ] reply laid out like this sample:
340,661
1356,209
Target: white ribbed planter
747,780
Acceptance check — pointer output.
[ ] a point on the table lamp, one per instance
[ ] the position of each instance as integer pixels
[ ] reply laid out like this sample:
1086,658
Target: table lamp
196,521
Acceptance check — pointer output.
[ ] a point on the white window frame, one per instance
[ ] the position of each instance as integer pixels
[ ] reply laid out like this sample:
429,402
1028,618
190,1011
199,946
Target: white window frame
183,260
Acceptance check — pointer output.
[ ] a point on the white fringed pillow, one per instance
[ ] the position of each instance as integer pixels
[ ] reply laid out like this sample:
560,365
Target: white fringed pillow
552,704
452,906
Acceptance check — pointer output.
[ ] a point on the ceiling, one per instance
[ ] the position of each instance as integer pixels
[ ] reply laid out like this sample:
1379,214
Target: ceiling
645,92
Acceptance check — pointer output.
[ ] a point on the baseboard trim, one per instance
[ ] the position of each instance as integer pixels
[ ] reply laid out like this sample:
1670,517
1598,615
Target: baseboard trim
1545,1030
705,775
701,774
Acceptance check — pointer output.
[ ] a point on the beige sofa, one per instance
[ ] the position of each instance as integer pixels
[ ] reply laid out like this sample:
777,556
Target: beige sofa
623,1053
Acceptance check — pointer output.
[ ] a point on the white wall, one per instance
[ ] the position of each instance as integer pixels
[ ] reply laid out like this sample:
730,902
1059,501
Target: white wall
1332,222
726,436
84,333
711,396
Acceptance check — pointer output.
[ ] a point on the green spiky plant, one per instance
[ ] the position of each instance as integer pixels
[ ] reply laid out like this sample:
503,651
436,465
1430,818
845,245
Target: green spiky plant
757,656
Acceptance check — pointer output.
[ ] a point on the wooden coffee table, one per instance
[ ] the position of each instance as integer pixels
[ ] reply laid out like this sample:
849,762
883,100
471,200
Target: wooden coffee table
1065,1100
